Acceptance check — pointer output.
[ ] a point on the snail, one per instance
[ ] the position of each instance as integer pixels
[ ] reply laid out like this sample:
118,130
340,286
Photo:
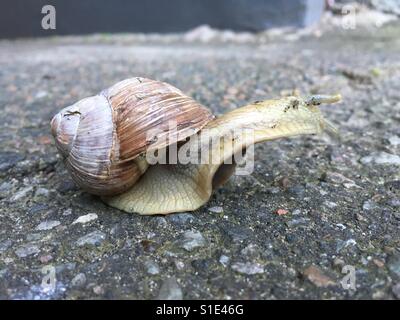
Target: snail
105,141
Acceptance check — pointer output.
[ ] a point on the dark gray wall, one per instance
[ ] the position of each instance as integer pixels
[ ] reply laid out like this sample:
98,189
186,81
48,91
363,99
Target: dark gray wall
22,18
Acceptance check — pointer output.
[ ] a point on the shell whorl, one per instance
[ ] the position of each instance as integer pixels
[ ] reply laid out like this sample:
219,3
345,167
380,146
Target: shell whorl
104,138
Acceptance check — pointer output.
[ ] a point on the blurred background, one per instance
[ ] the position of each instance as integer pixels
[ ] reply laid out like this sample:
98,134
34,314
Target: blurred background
93,16
21,18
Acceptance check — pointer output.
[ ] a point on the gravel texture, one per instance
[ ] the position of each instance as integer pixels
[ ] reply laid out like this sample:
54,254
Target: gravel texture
313,205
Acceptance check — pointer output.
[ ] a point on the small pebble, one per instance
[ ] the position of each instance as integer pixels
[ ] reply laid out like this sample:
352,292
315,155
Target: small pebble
45,140
179,265
86,218
216,209
46,258
330,204
98,290
340,244
383,158
42,192
361,218
378,263
248,268
369,205
34,236
170,290
41,94
315,275
79,280
364,261
394,264
22,193
5,188
5,245
236,233
378,295
192,239
341,226
48,225
224,260
152,267
299,221
281,212
9,160
338,262
181,218
395,202
94,238
67,212
396,290
250,250
394,140
27,250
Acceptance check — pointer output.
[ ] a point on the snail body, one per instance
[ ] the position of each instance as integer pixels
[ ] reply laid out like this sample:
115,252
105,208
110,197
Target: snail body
105,139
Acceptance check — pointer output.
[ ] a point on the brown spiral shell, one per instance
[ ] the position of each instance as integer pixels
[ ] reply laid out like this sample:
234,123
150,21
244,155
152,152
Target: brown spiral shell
104,138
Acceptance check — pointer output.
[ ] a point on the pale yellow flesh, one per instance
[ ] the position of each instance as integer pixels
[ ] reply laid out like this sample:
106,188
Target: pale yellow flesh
172,188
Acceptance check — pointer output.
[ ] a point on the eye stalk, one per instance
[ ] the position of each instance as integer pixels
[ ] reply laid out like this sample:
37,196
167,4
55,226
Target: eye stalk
316,100
64,126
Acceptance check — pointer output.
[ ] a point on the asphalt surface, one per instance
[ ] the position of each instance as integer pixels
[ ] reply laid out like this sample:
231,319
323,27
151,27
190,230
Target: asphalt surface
314,209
